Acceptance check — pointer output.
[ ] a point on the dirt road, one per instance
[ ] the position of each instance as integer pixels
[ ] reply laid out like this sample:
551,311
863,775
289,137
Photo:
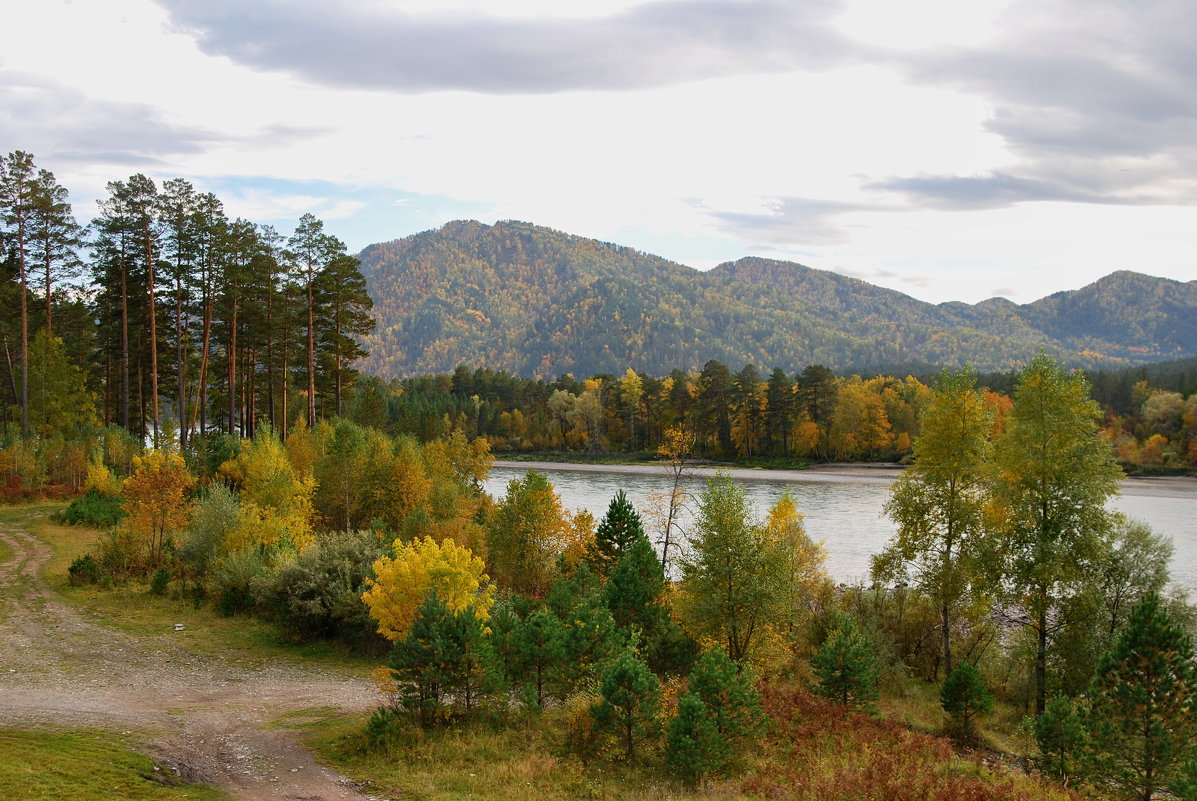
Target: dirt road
203,717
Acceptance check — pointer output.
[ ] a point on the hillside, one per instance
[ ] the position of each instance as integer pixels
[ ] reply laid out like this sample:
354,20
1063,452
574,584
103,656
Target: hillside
539,302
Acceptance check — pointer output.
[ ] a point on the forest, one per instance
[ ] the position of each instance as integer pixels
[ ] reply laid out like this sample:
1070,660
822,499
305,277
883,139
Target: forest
1148,413
163,315
1016,639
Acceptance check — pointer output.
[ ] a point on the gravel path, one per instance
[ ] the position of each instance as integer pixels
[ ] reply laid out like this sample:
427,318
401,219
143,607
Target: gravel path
203,717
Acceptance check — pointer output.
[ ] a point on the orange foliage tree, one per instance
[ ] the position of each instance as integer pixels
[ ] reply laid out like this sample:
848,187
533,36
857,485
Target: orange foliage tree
155,501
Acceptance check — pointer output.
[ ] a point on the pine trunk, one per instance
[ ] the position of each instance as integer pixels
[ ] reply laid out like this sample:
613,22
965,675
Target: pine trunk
149,259
311,355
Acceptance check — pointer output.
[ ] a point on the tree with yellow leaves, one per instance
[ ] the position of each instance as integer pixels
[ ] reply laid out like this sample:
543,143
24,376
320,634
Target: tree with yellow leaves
276,499
402,583
803,578
155,501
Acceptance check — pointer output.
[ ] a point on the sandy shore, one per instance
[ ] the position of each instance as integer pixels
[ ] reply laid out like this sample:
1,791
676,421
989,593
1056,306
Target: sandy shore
836,473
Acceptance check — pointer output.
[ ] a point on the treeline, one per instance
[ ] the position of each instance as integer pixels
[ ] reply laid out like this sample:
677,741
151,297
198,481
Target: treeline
174,317
1149,413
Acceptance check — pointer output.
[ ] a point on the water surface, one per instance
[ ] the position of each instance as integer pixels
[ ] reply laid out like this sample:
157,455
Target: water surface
843,507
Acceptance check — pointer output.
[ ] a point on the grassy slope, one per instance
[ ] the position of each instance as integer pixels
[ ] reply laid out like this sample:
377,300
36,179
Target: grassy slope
48,765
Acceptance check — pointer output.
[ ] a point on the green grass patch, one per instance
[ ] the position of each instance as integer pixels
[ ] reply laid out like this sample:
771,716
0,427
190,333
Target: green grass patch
520,759
246,641
45,765
318,717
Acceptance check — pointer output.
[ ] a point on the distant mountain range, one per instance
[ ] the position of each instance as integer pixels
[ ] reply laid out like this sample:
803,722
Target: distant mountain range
538,302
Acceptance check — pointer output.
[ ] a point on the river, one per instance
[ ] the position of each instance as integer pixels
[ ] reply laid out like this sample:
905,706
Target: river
843,505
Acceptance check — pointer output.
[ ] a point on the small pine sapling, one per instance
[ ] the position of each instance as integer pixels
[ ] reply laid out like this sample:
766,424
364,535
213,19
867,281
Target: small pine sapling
630,698
964,696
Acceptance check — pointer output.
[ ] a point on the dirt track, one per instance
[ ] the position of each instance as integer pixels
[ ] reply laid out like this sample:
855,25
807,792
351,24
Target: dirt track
204,718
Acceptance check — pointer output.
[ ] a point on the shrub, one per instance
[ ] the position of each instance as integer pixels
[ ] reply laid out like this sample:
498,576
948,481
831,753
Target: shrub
84,570
159,581
93,509
319,593
234,580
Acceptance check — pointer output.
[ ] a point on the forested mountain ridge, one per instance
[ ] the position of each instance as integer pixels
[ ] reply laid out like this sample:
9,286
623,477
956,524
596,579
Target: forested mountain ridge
539,302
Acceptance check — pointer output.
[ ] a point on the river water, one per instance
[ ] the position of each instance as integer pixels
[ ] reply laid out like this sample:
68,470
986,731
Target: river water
843,506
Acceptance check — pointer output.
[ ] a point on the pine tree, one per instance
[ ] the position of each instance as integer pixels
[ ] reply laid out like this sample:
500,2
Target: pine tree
1143,716
17,190
538,651
1184,785
727,691
421,661
1061,737
964,696
693,745
634,594
846,666
344,316
55,236
589,636
631,696
619,529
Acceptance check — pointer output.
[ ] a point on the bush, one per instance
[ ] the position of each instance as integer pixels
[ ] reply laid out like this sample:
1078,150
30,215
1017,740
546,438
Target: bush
93,509
216,514
319,593
234,580
84,570
159,581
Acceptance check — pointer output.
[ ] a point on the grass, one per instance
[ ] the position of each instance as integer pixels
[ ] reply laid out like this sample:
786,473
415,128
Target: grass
519,758
247,641
46,765
814,751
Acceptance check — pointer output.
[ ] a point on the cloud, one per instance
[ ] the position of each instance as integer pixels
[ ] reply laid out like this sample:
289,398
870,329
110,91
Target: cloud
657,43
969,193
791,222
70,127
1096,99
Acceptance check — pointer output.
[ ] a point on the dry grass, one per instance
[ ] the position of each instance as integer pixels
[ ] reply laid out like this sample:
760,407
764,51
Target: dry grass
818,752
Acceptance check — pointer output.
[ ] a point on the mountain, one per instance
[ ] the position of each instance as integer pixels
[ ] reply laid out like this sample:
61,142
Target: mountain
539,302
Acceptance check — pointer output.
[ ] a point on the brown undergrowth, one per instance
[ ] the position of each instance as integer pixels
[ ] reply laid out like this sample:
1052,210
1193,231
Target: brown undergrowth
818,751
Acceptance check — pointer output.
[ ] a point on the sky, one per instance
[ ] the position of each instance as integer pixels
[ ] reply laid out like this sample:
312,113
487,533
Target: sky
950,150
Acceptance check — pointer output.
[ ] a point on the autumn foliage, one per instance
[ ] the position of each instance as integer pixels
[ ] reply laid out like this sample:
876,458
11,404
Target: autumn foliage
155,501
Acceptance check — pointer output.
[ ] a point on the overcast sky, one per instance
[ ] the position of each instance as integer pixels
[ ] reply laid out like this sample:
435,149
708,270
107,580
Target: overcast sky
950,149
